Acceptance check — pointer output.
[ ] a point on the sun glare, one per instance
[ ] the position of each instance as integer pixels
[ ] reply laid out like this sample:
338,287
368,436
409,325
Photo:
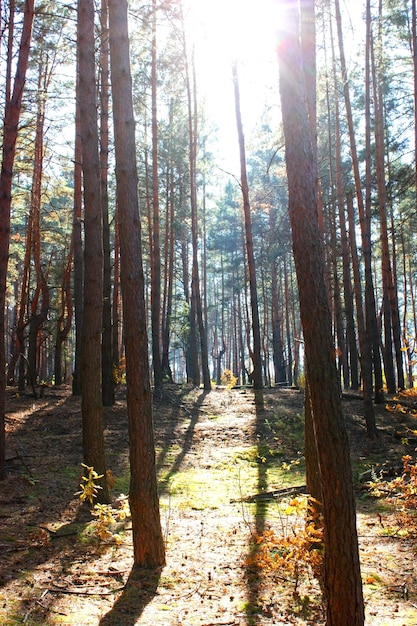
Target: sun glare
222,31
234,29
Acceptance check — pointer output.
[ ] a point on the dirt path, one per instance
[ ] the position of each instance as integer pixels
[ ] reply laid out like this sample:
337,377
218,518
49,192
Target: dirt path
213,451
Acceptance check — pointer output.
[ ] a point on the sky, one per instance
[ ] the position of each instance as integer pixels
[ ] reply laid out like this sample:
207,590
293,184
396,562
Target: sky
246,30
224,30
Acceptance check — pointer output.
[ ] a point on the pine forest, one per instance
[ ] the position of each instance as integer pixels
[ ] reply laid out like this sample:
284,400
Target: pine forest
208,304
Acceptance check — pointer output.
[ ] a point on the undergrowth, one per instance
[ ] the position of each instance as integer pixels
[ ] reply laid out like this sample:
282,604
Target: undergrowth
295,553
401,494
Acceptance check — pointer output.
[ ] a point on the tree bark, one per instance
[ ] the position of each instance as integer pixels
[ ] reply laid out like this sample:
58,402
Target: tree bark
78,252
196,311
91,401
256,334
39,305
391,311
364,213
148,544
107,363
10,131
64,321
155,248
342,578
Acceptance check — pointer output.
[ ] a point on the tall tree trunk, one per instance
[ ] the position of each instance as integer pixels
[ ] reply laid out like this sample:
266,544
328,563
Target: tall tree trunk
10,130
342,578
288,326
277,343
196,300
156,251
364,215
392,312
148,543
39,305
78,252
414,54
347,281
116,298
371,317
256,334
364,345
64,321
169,275
107,363
91,401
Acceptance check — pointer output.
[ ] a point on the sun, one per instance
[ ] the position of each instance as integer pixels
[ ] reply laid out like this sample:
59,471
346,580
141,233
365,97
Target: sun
221,32
241,29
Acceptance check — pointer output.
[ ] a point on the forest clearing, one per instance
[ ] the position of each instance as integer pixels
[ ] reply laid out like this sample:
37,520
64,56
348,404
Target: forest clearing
214,453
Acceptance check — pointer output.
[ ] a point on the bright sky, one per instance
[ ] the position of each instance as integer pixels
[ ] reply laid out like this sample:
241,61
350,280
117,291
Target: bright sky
246,30
227,29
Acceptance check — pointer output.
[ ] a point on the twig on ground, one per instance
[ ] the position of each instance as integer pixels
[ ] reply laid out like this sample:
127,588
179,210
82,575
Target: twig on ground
271,495
79,592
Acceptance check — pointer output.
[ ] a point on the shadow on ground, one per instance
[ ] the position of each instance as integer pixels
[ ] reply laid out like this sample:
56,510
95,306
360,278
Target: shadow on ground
138,591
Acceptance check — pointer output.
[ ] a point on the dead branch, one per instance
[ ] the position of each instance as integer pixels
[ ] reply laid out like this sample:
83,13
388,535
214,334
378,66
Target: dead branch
271,495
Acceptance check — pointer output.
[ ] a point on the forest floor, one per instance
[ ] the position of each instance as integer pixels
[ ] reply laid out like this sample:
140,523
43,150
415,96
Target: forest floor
214,452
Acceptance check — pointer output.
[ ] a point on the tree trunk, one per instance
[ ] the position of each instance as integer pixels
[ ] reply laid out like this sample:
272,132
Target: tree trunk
196,312
256,334
116,297
91,401
364,215
39,305
342,578
155,260
107,363
78,254
392,309
148,544
364,345
64,321
277,343
10,129
169,276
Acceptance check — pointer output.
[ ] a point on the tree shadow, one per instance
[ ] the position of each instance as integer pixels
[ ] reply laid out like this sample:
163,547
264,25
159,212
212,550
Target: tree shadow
253,573
186,444
138,592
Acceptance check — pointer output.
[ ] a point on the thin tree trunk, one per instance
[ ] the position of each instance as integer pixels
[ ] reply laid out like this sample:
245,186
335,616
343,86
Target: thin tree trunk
10,131
64,321
392,312
148,543
288,326
277,343
39,305
256,335
78,253
347,281
91,400
196,300
364,215
169,276
107,363
156,251
116,298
